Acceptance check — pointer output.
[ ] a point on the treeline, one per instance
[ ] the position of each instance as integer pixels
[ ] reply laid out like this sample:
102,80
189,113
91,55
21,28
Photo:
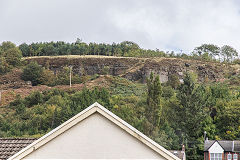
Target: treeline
10,54
171,113
225,53
209,52
126,48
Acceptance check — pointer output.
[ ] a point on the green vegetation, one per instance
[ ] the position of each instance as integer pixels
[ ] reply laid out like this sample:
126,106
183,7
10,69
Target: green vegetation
10,54
10,57
225,53
206,52
126,48
171,113
169,116
122,86
32,72
40,112
39,75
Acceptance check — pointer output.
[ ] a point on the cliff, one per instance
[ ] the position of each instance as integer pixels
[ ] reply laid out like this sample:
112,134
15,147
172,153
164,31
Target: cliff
137,69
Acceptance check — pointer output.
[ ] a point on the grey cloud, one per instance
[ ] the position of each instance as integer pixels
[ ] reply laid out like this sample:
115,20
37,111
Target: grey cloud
164,24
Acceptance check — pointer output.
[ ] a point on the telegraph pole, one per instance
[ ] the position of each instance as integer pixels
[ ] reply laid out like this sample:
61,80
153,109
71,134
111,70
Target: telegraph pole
0,96
70,76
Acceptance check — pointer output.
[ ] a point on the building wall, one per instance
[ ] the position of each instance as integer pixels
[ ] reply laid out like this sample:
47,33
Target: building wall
206,156
216,148
96,138
226,153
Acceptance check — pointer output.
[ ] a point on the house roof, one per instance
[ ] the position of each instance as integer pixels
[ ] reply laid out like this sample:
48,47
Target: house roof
237,146
178,153
10,146
228,146
83,115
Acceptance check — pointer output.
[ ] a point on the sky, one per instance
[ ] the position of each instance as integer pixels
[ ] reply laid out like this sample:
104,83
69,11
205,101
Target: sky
178,25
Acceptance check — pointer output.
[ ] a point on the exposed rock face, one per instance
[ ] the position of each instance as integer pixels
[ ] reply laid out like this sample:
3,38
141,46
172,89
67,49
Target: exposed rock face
136,69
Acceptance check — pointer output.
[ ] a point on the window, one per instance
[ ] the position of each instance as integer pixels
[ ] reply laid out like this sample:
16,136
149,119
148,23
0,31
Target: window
216,156
235,157
229,156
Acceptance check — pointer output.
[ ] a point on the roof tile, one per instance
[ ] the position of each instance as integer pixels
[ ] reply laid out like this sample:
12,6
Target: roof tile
10,146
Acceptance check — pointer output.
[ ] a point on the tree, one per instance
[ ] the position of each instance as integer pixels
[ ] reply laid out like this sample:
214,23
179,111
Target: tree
25,49
192,100
227,121
13,56
168,92
228,53
7,45
167,137
4,66
32,72
191,113
128,46
10,56
47,77
217,93
154,108
34,99
210,49
173,81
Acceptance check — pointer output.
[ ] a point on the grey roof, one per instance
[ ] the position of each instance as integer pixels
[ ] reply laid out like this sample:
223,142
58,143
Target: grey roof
228,146
208,144
10,146
179,154
237,146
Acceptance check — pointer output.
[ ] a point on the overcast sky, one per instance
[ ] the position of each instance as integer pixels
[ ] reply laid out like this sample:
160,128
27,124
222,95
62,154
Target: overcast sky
163,24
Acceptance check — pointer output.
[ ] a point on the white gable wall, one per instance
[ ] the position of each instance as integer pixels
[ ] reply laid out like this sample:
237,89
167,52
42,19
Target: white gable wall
216,148
96,138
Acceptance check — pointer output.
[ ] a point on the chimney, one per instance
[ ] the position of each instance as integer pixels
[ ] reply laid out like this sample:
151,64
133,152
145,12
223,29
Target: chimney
183,148
232,146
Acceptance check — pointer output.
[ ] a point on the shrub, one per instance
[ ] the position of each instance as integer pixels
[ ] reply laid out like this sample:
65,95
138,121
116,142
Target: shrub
4,66
13,56
47,77
32,72
64,79
173,81
168,92
34,99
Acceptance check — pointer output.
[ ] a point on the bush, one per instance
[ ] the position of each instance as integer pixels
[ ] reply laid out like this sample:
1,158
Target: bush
64,79
4,66
32,72
168,92
173,81
105,70
47,77
34,99
13,56
10,56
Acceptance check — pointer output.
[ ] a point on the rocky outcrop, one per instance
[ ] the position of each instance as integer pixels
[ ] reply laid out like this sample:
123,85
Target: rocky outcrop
136,69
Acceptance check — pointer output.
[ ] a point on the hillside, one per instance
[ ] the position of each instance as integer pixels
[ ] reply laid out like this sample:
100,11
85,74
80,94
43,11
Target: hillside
137,69
168,112
134,69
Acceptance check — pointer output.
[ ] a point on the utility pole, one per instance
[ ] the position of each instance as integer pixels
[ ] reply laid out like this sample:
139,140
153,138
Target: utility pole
70,76
0,96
